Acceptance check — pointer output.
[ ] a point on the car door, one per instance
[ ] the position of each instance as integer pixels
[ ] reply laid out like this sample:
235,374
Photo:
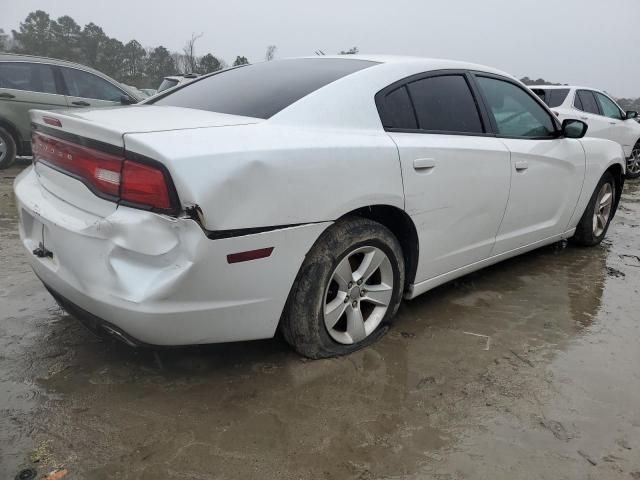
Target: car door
547,170
455,174
589,112
621,130
25,86
84,89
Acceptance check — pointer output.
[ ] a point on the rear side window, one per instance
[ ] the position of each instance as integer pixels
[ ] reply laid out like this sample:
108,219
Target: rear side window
86,85
587,101
396,110
33,77
553,97
263,89
445,104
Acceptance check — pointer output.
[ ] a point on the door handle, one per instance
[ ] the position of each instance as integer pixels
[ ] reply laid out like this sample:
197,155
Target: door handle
81,104
7,95
522,165
424,164
613,123
584,118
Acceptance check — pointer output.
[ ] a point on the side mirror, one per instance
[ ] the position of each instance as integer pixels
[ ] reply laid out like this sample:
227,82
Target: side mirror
125,100
631,114
574,128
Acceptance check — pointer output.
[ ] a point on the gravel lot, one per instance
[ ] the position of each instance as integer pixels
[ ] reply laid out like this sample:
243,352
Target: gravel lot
529,369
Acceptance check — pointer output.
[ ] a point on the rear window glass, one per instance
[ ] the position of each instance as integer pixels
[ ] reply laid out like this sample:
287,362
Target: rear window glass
553,97
396,110
34,77
263,89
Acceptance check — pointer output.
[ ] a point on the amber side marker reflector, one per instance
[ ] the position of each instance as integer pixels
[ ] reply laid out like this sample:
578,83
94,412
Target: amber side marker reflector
52,121
250,255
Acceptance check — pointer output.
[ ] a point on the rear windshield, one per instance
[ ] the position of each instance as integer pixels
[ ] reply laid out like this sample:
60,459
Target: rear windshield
553,97
263,89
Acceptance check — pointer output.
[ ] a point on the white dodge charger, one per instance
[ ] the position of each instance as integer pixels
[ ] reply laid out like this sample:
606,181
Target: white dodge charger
307,195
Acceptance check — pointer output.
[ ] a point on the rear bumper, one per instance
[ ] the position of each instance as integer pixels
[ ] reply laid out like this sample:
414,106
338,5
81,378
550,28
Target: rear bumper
157,279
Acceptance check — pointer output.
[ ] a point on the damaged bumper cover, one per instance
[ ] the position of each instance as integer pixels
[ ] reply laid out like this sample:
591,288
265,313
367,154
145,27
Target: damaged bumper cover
157,279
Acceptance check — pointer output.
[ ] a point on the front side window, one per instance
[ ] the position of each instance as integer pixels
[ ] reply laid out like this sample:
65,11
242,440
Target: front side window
445,104
515,112
86,85
262,89
609,109
588,102
33,77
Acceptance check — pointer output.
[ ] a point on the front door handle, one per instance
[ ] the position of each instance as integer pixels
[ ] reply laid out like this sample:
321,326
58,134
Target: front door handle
7,95
522,165
424,164
81,104
584,118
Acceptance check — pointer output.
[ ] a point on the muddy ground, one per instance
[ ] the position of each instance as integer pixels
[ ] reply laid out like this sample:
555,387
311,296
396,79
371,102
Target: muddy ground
529,369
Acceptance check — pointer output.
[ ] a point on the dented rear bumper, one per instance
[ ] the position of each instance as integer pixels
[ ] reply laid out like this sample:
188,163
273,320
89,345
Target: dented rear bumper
156,278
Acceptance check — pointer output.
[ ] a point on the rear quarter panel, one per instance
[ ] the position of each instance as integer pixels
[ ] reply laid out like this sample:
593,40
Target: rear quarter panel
264,175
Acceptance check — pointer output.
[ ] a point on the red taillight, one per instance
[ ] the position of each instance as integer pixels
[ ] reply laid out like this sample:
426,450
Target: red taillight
144,185
108,175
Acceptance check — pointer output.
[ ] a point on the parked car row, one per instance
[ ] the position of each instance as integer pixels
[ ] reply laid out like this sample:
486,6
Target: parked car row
303,195
603,115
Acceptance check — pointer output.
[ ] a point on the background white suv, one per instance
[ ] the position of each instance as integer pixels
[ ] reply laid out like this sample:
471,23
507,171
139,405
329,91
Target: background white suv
603,115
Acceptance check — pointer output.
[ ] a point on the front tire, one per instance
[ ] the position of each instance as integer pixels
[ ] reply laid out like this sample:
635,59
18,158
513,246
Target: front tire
596,218
7,149
347,291
633,162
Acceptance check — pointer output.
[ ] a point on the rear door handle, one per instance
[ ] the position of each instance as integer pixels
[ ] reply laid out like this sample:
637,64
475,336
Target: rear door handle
81,104
424,164
7,95
522,165
584,118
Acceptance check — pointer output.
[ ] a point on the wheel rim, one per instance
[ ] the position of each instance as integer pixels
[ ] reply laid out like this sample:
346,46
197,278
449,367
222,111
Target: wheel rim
602,209
358,295
3,149
633,163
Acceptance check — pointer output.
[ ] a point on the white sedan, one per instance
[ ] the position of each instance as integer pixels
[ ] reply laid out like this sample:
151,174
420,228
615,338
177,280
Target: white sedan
601,113
308,195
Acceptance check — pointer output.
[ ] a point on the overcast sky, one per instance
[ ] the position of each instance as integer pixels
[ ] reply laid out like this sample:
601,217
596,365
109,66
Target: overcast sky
587,42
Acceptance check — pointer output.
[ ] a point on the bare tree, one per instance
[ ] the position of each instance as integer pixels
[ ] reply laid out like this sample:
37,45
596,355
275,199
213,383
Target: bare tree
271,53
190,58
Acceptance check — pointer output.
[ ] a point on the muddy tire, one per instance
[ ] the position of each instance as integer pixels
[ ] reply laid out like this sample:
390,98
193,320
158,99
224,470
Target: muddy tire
347,291
633,162
7,149
596,218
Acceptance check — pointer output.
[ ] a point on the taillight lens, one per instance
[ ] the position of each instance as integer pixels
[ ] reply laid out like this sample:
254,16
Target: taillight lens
144,185
109,176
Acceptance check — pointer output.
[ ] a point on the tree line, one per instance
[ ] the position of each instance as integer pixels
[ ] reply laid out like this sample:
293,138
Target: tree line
129,63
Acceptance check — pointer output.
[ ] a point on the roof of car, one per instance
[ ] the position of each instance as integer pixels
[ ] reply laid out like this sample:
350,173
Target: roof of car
555,87
14,57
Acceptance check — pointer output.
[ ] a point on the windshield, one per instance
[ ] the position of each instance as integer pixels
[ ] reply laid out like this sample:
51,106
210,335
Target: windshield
263,89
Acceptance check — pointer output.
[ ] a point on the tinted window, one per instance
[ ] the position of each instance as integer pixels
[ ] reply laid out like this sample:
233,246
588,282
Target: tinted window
609,109
396,110
553,97
577,103
516,113
445,104
34,77
263,89
588,102
86,85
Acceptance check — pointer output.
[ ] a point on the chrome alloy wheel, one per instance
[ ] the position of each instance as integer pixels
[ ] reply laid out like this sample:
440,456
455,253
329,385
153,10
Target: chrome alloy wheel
633,162
3,149
358,295
602,210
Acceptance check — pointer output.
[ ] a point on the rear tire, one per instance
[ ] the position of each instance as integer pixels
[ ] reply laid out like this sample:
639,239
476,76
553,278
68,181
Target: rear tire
7,149
633,162
343,299
596,218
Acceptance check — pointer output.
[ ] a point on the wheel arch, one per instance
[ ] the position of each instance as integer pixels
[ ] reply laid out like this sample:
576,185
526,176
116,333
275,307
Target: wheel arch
402,226
618,175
